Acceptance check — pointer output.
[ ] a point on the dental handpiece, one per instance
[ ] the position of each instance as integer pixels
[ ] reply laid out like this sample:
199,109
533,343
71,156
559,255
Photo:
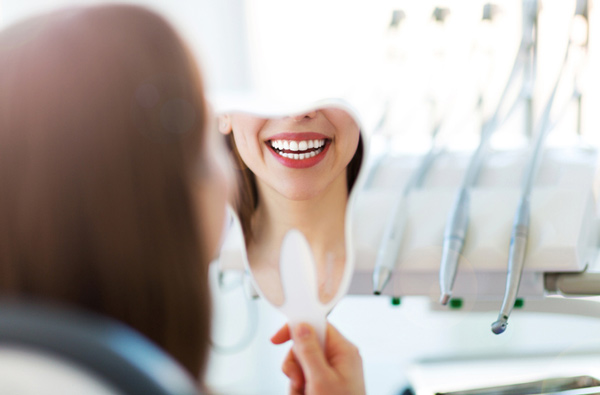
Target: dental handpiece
391,240
516,261
454,240
520,229
455,231
457,225
389,247
520,232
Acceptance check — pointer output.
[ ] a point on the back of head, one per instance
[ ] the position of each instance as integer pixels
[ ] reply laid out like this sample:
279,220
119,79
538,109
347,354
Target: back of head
101,136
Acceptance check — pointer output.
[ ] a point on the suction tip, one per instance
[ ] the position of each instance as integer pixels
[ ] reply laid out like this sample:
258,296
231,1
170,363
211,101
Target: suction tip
377,293
444,299
499,326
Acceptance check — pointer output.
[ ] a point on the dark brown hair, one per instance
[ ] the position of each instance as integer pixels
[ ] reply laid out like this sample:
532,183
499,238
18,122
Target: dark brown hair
246,196
102,120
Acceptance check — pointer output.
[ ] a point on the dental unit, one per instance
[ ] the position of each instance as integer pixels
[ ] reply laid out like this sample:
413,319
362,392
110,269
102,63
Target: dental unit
520,231
394,229
458,220
391,240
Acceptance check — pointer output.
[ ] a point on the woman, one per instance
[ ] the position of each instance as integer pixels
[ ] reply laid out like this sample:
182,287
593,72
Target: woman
103,155
111,197
294,172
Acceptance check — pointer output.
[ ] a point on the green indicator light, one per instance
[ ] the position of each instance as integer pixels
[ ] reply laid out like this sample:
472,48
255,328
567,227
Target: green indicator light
456,303
519,303
395,301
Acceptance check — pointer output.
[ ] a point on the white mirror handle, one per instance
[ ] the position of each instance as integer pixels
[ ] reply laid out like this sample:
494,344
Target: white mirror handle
299,282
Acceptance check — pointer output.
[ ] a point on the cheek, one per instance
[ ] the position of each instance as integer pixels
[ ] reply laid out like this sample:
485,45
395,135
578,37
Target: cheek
243,146
245,131
350,146
249,150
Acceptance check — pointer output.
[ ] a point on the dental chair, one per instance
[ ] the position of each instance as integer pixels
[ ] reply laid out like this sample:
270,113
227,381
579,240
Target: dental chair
54,350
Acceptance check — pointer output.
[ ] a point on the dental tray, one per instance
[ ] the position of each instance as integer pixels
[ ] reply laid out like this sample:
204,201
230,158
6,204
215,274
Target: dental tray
563,232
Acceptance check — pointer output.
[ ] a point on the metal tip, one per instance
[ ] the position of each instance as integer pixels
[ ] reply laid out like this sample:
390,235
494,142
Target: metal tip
444,299
499,326
380,280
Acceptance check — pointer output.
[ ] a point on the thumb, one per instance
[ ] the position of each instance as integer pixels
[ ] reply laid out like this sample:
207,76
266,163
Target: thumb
309,353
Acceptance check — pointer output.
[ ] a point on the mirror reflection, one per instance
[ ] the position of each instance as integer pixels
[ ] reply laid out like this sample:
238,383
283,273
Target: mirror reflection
294,171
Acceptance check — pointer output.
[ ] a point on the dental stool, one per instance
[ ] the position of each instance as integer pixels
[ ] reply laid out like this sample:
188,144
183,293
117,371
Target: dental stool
50,350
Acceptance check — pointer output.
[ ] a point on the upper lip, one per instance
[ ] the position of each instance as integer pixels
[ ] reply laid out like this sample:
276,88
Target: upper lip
298,136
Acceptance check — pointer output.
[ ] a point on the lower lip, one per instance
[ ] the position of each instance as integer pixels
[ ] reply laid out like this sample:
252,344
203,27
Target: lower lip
300,163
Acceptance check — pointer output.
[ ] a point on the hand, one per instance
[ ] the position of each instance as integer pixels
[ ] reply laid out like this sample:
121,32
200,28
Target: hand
312,370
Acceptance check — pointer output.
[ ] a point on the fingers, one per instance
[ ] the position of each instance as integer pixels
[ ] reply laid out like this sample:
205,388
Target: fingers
282,335
337,369
293,371
290,366
339,351
336,343
309,354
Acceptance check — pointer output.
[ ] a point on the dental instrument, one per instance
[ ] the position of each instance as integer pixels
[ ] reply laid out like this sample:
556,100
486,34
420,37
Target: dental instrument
530,26
457,225
391,240
394,229
458,220
520,231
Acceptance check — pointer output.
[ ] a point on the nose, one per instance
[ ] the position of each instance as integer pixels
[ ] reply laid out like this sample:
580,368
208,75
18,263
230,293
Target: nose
307,115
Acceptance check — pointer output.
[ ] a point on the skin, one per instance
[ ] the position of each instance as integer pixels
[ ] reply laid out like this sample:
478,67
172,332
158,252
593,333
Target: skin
312,370
337,369
312,200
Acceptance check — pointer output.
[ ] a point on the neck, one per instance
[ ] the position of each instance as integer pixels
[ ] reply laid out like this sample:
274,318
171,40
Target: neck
321,219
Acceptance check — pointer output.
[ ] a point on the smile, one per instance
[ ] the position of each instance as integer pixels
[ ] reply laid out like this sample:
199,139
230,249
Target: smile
298,150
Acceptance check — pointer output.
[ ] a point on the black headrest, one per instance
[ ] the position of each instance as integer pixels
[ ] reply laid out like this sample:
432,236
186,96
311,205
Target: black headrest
109,350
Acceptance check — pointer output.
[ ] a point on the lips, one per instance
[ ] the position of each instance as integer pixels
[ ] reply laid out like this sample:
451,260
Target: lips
298,150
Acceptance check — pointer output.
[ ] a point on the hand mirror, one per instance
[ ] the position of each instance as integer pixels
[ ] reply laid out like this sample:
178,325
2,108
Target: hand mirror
295,172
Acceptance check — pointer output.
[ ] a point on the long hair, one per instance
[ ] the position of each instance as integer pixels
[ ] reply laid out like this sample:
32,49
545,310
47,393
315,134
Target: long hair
102,122
246,197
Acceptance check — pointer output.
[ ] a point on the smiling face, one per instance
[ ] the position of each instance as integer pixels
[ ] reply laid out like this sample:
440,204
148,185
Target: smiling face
297,156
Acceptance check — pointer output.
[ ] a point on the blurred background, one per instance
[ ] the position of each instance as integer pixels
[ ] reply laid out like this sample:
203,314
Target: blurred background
407,66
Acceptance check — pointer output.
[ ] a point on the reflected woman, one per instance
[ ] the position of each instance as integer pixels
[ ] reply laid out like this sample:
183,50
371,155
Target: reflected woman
294,172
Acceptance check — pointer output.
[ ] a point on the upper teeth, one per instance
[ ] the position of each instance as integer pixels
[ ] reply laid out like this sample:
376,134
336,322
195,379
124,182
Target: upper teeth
294,145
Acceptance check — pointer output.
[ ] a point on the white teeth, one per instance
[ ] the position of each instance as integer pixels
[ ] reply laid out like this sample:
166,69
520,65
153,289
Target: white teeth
300,156
297,145
312,148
